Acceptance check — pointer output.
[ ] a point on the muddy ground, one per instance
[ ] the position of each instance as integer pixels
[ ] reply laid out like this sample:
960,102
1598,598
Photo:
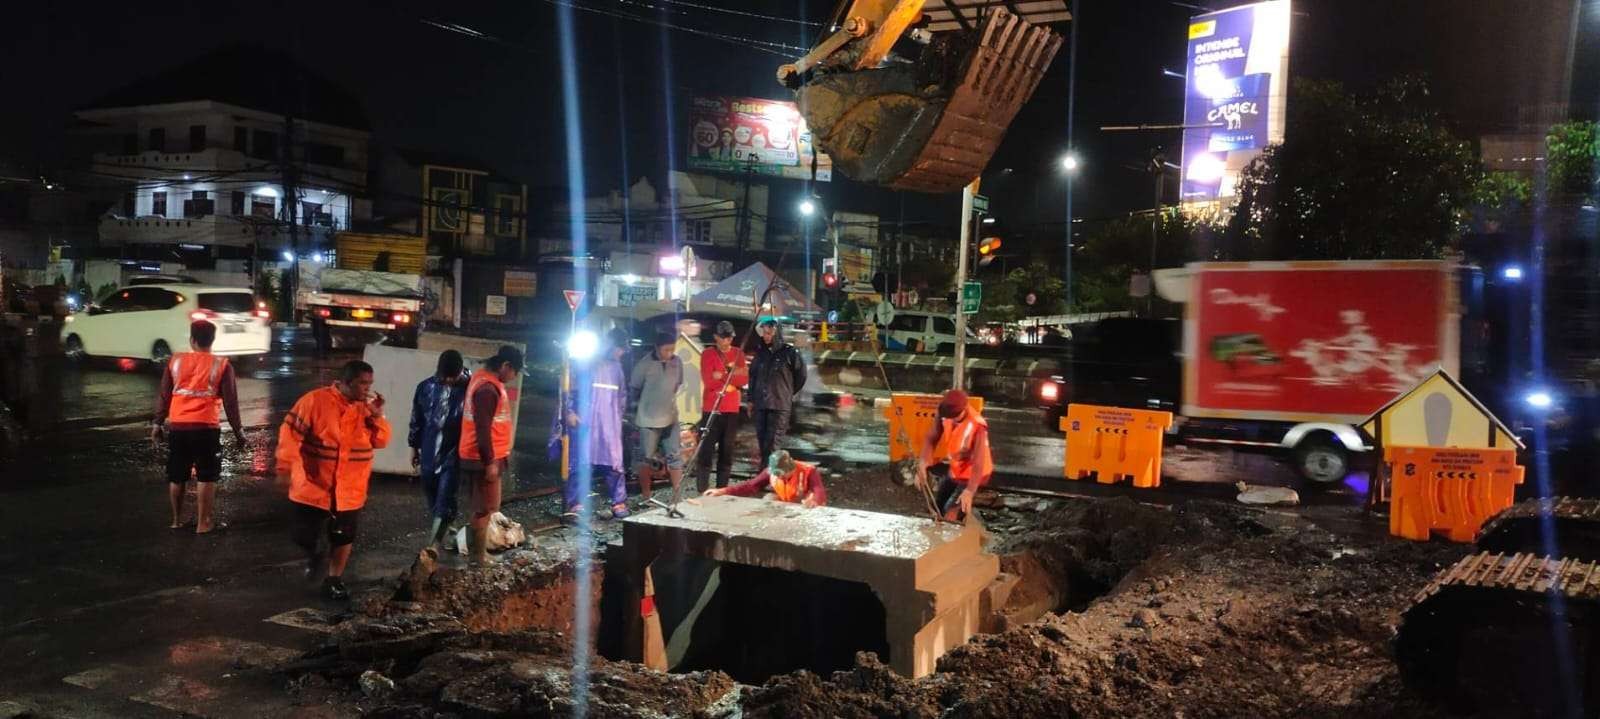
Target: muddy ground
1198,609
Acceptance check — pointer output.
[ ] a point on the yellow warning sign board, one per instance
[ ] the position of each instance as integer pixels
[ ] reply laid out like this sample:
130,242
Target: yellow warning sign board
1439,412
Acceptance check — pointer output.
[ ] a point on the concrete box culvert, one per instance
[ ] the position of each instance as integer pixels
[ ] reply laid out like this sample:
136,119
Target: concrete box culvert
929,579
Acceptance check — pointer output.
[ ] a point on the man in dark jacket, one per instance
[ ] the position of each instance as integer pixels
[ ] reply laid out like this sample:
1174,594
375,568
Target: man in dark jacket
435,437
776,374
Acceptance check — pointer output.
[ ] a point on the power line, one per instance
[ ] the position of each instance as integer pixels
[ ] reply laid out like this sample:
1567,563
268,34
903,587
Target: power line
749,42
730,11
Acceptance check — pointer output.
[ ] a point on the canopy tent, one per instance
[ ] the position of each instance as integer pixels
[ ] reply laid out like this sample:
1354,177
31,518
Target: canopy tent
737,295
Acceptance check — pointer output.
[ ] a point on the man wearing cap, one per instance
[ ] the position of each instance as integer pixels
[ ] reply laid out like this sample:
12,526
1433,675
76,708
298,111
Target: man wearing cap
776,374
594,418
967,464
486,443
655,381
784,479
435,440
193,385
722,375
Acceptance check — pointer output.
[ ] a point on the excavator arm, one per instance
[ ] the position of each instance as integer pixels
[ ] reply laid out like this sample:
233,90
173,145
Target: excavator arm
928,120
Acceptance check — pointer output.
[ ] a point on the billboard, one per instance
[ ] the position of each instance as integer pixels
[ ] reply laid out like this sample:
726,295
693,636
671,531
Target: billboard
1313,341
739,134
1236,77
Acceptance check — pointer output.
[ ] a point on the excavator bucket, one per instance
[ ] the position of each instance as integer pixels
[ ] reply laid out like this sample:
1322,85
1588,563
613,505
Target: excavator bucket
930,125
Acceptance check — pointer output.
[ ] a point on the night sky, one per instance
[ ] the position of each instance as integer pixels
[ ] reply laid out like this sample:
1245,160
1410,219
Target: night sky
500,100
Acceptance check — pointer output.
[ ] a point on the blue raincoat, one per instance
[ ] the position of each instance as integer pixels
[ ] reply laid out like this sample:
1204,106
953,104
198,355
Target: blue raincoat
436,434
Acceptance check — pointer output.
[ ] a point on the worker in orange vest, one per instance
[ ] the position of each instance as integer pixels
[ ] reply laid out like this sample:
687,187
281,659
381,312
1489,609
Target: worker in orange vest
784,479
325,450
967,464
193,384
486,443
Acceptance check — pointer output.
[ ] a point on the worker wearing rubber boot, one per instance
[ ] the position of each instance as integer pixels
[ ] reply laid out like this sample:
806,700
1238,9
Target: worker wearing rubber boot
325,450
486,444
435,440
966,464
594,418
655,381
784,479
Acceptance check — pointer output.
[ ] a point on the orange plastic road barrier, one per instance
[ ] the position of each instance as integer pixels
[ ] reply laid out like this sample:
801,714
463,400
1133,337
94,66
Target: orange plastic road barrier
911,419
1112,443
1450,491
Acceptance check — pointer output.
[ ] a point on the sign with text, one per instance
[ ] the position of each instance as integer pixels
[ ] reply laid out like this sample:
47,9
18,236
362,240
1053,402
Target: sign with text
494,305
521,284
1313,341
1236,75
971,297
747,134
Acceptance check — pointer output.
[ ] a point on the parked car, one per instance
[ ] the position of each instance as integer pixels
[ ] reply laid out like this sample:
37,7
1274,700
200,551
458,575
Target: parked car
917,331
152,322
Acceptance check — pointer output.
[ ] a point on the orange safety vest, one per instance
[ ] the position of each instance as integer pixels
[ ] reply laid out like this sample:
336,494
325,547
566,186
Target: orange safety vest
196,377
327,444
499,429
788,487
966,463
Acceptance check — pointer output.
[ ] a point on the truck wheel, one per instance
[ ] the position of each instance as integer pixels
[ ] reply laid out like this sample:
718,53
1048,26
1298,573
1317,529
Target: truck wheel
1321,460
74,349
321,336
160,352
407,339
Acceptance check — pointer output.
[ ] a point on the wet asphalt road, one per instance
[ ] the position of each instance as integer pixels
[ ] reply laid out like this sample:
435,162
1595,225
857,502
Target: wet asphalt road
104,611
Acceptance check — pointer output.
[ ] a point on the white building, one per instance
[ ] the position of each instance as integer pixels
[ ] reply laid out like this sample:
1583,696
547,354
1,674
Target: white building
698,209
209,173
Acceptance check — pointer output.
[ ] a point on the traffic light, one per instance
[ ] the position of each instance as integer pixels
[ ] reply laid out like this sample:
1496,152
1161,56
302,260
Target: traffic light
987,249
830,273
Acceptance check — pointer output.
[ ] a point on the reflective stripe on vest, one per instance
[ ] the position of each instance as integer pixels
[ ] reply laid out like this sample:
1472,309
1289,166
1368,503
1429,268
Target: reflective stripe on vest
196,379
959,444
499,427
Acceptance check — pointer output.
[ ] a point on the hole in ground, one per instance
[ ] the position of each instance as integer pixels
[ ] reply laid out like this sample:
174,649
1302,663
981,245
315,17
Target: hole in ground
754,622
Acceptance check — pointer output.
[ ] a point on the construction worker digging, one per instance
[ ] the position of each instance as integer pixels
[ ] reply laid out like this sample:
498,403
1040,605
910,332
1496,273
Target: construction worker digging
967,464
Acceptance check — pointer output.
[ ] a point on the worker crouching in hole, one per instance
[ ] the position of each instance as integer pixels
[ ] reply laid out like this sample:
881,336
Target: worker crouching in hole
784,479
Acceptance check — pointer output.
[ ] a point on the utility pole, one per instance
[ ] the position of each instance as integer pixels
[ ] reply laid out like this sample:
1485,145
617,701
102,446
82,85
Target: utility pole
291,198
961,281
742,235
1072,96
1158,167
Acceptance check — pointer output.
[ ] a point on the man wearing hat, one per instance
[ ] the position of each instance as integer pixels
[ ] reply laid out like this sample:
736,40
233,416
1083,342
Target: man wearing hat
776,374
785,479
594,417
967,464
486,443
722,375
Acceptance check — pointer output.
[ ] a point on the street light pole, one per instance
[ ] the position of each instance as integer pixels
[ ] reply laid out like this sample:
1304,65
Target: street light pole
1072,96
961,281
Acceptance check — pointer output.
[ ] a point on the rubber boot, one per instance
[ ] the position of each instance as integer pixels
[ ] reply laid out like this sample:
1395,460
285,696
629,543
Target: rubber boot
478,547
436,536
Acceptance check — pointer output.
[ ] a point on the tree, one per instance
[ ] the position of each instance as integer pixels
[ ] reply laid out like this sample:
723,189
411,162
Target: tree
1358,176
1571,150
1007,300
1114,251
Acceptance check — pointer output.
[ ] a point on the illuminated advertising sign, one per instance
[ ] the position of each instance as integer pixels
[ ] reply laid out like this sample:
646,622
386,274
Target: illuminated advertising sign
1236,77
746,134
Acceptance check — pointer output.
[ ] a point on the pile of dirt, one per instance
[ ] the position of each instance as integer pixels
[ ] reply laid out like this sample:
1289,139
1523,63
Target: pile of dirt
432,666
1213,611
525,588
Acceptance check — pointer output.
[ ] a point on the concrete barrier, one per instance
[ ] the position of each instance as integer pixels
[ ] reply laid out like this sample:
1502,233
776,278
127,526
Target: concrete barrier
930,578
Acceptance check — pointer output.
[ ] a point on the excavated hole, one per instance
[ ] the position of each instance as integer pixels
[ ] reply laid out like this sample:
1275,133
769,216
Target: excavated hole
754,622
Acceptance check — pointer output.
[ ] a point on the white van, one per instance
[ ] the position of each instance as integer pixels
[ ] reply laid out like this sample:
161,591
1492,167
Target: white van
915,331
152,322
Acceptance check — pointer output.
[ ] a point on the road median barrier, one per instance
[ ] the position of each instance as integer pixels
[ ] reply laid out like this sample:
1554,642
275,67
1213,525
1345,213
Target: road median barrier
1114,443
1450,491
